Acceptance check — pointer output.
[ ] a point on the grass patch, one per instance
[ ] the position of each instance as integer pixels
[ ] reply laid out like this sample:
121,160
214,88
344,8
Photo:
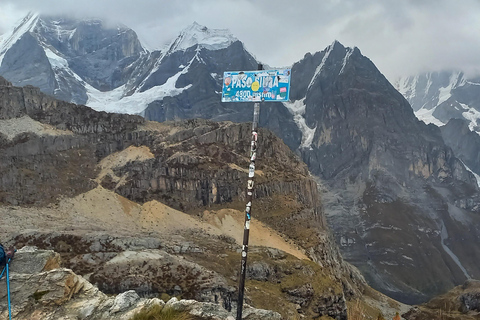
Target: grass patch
267,295
308,272
38,295
158,312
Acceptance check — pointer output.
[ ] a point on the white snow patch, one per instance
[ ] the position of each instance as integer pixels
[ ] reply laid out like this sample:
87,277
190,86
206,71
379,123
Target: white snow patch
320,66
59,63
345,59
426,116
429,83
211,39
468,169
445,92
55,60
407,257
444,236
297,109
407,86
472,115
7,41
115,101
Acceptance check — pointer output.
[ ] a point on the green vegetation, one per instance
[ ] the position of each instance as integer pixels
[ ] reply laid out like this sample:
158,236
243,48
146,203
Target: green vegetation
158,312
37,295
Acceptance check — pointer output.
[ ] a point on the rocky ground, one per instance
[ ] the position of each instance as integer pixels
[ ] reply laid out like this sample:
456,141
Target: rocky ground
460,303
41,289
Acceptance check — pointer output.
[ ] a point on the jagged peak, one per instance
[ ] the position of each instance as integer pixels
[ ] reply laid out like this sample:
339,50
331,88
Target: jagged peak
336,43
26,25
196,34
341,52
27,22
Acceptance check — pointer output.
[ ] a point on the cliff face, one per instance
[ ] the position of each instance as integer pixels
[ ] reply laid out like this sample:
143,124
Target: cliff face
46,147
99,187
395,194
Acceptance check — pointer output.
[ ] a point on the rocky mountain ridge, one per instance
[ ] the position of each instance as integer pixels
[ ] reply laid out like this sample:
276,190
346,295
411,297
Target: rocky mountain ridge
101,189
394,193
386,175
437,97
447,98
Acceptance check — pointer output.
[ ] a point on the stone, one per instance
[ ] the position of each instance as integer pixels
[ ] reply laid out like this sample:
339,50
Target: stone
29,260
124,301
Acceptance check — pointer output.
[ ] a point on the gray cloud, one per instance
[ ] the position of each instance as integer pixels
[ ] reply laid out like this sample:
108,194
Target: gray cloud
400,37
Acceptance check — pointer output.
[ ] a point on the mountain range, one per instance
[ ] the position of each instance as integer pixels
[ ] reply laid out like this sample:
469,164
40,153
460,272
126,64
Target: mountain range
401,204
450,100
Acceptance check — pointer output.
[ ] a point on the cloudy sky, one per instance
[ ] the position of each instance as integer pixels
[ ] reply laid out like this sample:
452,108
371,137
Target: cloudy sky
401,37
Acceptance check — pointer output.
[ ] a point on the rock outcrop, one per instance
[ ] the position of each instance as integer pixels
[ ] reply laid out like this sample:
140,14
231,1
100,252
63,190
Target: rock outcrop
460,303
40,289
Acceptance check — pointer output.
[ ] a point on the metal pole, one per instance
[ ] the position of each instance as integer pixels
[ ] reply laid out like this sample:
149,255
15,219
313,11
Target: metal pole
8,293
248,209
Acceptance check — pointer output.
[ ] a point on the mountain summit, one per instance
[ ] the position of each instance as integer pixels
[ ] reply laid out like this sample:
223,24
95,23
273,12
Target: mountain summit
196,34
69,58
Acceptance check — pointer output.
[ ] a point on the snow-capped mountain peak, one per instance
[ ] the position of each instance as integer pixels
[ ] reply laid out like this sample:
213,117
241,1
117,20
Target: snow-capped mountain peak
196,34
437,97
7,40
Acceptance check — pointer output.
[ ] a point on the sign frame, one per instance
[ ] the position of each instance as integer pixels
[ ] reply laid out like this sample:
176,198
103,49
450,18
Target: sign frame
256,86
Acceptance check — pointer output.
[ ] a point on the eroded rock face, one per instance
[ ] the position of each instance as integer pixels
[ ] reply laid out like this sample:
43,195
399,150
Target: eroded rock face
37,168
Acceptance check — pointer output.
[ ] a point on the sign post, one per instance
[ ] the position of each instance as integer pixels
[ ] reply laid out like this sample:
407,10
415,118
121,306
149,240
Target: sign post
253,86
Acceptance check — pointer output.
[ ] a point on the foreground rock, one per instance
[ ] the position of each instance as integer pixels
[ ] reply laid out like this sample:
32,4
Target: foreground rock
460,303
41,290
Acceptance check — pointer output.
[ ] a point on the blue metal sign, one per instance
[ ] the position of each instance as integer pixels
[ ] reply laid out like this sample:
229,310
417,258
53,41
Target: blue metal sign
256,86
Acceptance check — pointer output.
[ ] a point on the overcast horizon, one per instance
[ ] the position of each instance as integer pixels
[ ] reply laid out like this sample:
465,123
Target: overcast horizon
401,38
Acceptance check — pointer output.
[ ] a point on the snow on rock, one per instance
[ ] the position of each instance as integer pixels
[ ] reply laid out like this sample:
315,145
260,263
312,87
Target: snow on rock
471,115
7,41
320,66
444,236
477,177
345,59
115,101
297,109
406,86
427,116
211,39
